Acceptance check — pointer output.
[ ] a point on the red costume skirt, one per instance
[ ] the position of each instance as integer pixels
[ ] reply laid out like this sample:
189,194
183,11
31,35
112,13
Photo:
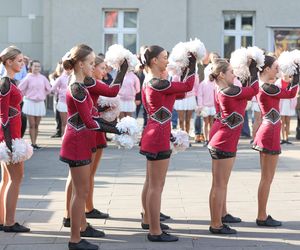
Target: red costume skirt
267,139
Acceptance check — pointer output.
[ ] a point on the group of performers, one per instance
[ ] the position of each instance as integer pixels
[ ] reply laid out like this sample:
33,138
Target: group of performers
84,137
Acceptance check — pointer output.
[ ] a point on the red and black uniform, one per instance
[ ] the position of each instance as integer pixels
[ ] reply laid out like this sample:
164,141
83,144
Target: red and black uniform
78,139
10,111
267,137
98,88
232,101
158,98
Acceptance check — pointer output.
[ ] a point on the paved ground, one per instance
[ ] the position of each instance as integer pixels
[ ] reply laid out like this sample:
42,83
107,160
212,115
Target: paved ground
117,190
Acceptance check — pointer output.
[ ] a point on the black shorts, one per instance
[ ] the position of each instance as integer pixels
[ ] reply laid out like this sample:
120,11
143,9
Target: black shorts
75,163
163,155
219,155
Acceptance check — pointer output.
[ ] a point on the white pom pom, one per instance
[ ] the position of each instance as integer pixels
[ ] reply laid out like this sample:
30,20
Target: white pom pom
129,127
286,63
4,153
197,48
21,150
116,54
296,56
257,55
239,63
179,57
114,104
125,141
181,142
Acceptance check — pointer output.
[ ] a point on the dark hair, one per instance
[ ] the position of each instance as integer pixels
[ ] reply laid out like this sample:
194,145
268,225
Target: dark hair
76,54
98,60
269,60
149,53
31,64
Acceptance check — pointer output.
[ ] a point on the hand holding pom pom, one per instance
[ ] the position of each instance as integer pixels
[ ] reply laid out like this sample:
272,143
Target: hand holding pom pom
295,79
179,140
253,69
129,128
121,73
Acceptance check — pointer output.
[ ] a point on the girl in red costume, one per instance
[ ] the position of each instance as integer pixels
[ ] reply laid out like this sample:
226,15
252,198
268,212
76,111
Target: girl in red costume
10,138
231,102
78,142
95,88
267,139
158,96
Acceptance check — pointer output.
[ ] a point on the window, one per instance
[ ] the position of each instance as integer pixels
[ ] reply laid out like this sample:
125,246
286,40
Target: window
120,26
283,39
238,31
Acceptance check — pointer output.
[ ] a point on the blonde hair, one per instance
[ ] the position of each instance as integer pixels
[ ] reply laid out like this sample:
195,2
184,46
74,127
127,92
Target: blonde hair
219,66
76,54
10,52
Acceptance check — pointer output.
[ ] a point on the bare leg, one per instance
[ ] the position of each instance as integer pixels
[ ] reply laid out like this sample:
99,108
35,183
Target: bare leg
268,167
68,195
80,187
221,170
283,127
210,124
37,123
3,186
287,126
188,117
206,124
181,119
89,205
32,126
63,117
144,197
157,174
15,172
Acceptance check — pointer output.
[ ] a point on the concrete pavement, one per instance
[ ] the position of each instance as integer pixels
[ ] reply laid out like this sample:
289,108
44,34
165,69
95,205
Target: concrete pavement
118,186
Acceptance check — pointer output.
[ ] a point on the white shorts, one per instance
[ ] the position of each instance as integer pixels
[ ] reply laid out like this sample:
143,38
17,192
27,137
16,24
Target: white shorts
127,106
255,107
208,111
188,103
62,107
286,108
34,108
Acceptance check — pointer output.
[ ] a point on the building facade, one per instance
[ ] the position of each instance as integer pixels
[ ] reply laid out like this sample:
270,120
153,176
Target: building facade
46,29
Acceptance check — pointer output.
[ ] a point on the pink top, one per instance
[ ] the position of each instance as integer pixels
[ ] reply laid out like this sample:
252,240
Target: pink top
60,86
206,94
194,91
35,87
130,87
292,101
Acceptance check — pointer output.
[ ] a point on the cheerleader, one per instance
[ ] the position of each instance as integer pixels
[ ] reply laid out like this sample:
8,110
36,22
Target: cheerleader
231,102
95,88
78,142
287,109
267,139
12,146
158,96
35,88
